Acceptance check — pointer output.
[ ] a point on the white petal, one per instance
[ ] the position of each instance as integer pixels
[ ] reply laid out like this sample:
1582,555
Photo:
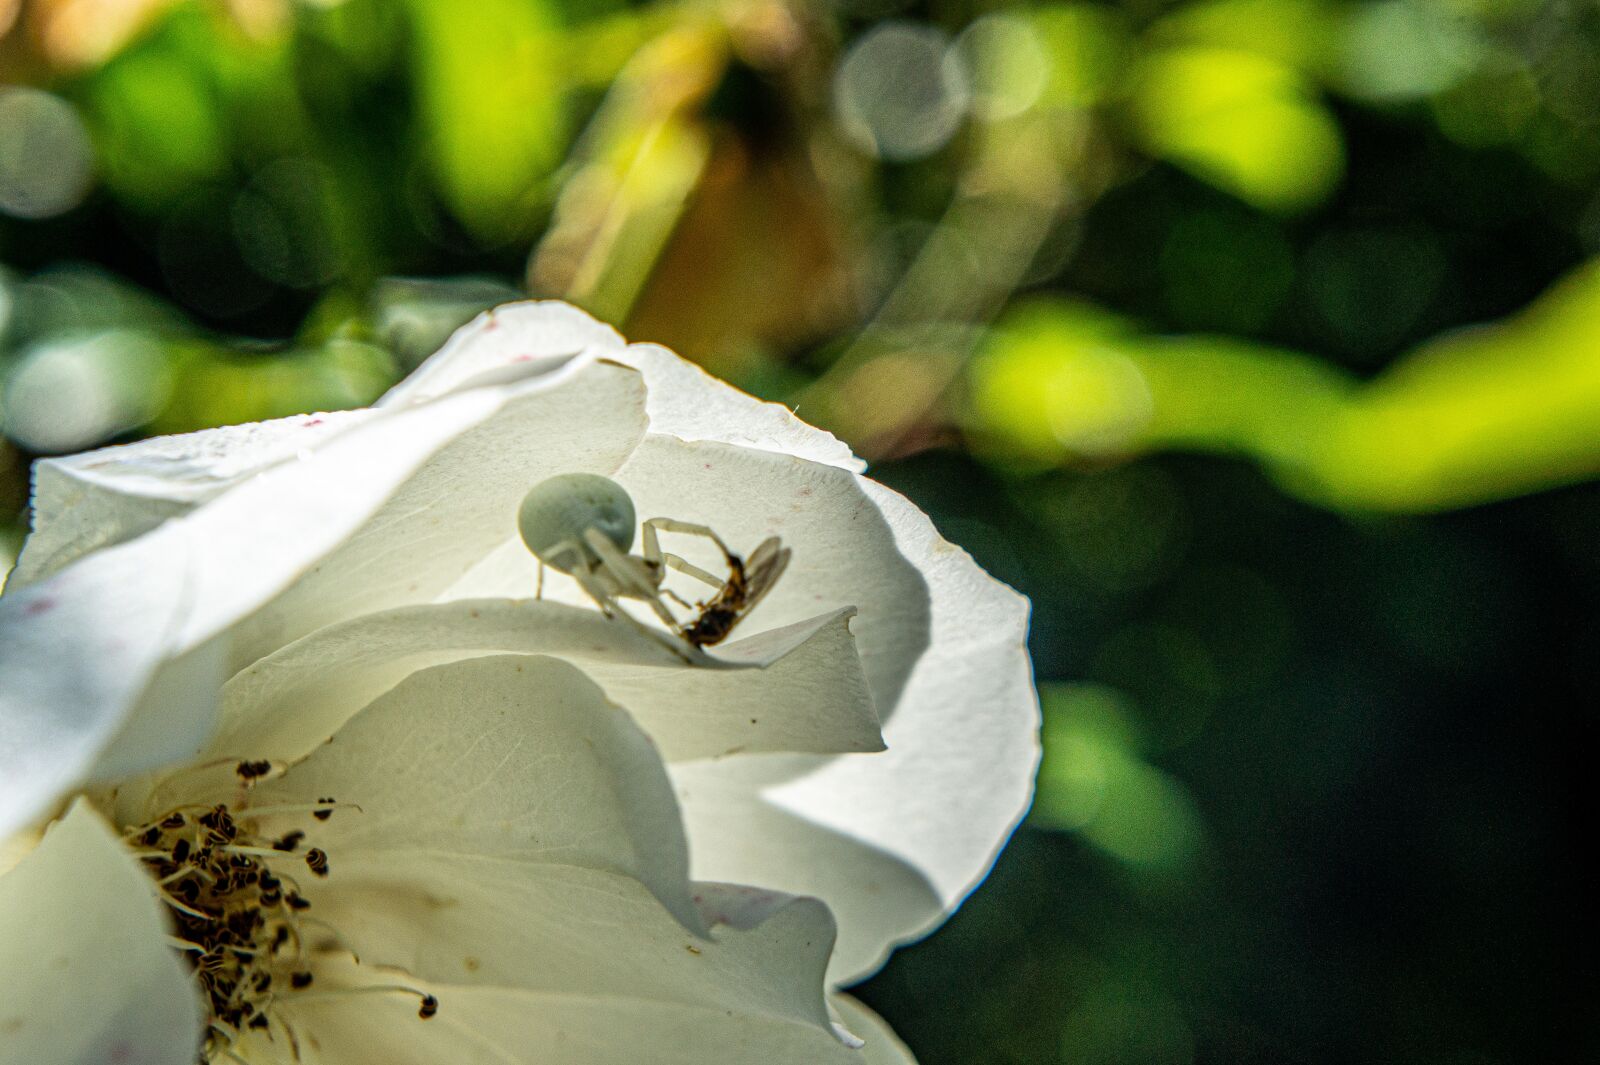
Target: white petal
517,830
685,401
882,1046
87,974
874,893
503,345
623,986
844,551
690,404
571,932
76,652
126,648
82,503
396,508
944,656
795,689
461,502
948,662
501,767
385,513
502,1026
577,937
250,543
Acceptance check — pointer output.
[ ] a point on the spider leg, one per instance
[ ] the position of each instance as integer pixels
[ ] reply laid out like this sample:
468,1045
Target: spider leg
658,557
580,572
631,576
683,565
667,640
688,528
652,544
538,589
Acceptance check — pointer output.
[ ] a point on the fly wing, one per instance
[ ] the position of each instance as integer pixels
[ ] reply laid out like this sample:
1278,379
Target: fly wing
765,565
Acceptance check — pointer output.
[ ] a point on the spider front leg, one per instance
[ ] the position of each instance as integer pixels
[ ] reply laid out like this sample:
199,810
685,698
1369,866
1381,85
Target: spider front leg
652,548
590,582
578,569
632,576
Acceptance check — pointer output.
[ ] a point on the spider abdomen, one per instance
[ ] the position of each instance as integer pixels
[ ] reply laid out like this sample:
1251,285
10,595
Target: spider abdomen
559,510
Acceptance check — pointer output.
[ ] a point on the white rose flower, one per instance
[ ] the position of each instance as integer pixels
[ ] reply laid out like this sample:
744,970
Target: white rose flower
295,764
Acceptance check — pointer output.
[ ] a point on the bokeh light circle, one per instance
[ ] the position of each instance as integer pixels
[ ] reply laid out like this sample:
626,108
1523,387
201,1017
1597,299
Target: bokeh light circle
46,160
66,395
1005,62
896,96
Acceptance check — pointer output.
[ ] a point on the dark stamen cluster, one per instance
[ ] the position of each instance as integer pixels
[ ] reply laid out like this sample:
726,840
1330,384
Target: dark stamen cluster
238,917
238,914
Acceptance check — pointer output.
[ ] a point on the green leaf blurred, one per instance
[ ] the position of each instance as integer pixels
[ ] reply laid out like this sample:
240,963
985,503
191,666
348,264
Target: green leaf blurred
491,83
1471,417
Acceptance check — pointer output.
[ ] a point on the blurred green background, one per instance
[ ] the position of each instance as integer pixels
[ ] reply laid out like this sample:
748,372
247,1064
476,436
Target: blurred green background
1256,340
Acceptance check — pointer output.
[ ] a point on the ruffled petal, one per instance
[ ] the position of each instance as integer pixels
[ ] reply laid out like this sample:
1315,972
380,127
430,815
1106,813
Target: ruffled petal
86,502
690,404
684,400
880,1046
877,896
528,855
623,985
460,503
493,770
115,664
88,976
604,944
956,779
394,509
504,345
799,688
76,653
387,512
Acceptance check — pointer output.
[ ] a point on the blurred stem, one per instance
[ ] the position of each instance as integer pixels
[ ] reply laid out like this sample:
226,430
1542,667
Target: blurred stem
1014,191
599,50
636,167
1472,417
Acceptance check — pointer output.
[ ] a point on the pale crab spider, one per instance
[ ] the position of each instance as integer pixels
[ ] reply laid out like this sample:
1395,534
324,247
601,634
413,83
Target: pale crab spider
582,524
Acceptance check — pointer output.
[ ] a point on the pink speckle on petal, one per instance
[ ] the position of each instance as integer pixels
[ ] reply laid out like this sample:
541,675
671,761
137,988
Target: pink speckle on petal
39,606
309,422
522,358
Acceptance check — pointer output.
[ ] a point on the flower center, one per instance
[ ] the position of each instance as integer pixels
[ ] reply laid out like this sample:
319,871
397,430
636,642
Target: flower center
242,919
